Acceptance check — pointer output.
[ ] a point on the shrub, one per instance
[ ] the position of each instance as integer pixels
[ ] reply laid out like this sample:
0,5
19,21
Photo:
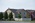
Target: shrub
19,15
1,15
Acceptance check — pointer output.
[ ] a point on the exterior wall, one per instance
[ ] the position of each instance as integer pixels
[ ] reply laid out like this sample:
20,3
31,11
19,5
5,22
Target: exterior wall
13,15
9,11
28,15
23,13
16,16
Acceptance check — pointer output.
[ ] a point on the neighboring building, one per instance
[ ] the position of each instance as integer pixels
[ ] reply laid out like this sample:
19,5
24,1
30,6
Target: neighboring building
30,12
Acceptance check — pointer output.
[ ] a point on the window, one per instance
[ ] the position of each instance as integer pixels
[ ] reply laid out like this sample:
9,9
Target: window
16,16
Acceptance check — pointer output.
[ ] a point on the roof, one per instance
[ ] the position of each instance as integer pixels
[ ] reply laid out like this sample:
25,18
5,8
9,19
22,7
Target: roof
19,10
30,11
14,10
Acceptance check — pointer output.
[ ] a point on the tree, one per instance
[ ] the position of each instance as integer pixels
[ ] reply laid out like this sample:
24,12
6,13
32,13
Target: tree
1,15
6,15
10,16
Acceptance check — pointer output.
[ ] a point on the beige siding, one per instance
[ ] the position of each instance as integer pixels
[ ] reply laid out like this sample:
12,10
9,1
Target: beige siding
9,11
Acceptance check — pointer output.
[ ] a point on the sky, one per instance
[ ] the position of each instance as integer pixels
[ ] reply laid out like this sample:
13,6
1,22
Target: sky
17,4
